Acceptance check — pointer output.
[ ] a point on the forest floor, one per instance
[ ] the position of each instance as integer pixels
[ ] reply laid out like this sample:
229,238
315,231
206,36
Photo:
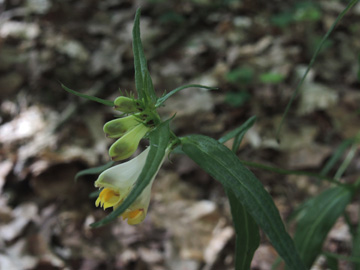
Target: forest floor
255,52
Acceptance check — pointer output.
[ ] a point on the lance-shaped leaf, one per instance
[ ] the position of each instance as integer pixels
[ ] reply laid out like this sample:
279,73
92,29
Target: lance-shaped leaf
96,99
142,77
238,133
336,156
317,218
247,232
95,170
247,237
159,139
356,244
162,99
224,166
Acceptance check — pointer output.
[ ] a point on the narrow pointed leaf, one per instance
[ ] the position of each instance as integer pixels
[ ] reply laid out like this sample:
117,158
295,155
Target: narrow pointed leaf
317,218
161,100
312,61
247,238
159,139
95,170
238,133
224,166
332,262
336,156
356,244
355,259
139,58
149,87
96,99
247,233
143,80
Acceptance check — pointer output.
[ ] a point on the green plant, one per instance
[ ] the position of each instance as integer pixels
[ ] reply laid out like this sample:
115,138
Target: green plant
126,187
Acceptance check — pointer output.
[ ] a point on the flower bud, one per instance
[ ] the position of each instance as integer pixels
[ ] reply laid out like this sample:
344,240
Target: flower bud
118,127
127,144
126,105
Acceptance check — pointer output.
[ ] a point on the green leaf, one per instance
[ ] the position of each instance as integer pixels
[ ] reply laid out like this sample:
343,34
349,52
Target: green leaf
224,166
159,139
102,101
282,19
283,171
312,61
247,237
161,100
142,77
247,232
239,131
150,87
237,99
358,72
95,170
355,259
242,75
331,262
271,78
336,156
349,157
316,220
356,240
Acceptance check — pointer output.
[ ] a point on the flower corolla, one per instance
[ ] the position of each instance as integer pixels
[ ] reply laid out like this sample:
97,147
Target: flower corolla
116,184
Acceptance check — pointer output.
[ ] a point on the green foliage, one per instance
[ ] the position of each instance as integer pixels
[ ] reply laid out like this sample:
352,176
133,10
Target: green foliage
247,237
247,232
271,78
315,40
242,75
358,73
312,61
95,170
99,100
144,86
307,11
282,20
162,99
336,156
239,131
251,205
302,11
222,164
237,99
332,262
316,219
356,244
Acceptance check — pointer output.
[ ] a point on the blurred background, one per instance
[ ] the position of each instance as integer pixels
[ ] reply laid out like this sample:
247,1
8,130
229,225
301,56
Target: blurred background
254,51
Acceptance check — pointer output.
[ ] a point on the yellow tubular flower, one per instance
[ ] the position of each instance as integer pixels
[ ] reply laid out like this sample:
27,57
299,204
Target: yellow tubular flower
126,146
118,127
116,184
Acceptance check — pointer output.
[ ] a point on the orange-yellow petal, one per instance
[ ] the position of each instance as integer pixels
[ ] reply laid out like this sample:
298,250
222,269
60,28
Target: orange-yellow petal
107,198
134,217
